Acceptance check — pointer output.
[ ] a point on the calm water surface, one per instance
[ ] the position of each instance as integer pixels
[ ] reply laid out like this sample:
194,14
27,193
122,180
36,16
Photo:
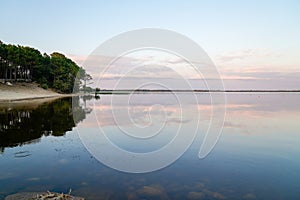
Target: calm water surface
256,157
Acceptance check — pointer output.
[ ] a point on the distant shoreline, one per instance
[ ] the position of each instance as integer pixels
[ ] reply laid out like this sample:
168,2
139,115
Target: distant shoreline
196,91
30,91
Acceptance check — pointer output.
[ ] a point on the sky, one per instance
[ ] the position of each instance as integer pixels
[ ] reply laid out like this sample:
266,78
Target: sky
254,43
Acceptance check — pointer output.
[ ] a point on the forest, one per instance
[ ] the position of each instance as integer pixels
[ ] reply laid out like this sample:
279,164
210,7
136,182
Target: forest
26,64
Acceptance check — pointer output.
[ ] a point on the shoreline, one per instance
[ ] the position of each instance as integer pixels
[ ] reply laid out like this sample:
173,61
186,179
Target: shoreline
6,100
19,92
105,92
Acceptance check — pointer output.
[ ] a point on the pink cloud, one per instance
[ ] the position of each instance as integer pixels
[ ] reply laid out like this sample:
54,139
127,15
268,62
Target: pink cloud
247,54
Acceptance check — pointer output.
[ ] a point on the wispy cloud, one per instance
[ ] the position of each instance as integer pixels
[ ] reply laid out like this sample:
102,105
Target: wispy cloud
241,69
245,54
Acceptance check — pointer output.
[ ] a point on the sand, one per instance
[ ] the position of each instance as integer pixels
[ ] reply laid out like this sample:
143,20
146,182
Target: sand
24,91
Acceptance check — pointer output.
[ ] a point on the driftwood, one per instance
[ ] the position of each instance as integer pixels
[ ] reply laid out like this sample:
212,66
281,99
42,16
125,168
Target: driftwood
41,196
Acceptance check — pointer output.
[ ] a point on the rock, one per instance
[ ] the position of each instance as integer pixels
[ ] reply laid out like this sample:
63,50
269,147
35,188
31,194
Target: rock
91,193
195,195
249,196
215,195
21,196
200,191
199,186
132,196
152,191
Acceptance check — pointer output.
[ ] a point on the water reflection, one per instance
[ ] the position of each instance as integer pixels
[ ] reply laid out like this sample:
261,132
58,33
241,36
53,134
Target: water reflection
27,124
257,156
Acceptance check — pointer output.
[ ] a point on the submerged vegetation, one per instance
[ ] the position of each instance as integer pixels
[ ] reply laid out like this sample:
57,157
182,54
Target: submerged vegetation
22,63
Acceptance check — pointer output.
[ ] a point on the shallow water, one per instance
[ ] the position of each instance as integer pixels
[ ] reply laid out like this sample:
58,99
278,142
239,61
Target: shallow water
256,157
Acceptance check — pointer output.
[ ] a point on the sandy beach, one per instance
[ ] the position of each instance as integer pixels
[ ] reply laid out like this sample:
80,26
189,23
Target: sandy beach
24,91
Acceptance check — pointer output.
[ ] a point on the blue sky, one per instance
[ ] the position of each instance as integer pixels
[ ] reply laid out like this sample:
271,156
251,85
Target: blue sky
224,29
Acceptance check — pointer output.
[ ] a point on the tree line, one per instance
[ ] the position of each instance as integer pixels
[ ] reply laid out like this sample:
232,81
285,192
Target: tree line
23,63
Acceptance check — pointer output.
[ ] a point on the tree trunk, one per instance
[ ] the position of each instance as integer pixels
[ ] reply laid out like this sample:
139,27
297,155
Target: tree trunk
15,73
30,73
10,73
21,72
5,75
26,74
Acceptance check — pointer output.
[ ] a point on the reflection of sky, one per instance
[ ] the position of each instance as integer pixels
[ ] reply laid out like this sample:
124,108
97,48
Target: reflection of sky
257,153
256,156
238,104
248,115
147,121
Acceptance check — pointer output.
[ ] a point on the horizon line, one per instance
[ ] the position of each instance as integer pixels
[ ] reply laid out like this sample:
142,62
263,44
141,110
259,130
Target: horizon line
104,91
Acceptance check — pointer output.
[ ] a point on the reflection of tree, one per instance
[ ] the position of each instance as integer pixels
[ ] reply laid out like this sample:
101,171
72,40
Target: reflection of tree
21,126
80,111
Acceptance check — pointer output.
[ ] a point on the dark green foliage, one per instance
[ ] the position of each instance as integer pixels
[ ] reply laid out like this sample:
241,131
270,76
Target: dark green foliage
87,89
24,125
19,63
44,86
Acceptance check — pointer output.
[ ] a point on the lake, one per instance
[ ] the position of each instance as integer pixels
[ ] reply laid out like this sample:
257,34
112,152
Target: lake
63,144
